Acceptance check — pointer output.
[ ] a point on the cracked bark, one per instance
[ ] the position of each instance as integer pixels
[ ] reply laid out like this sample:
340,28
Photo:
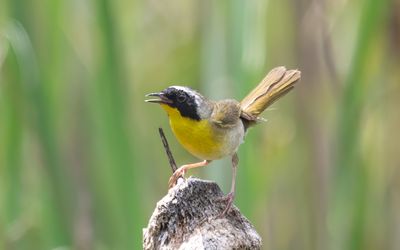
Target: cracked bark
187,218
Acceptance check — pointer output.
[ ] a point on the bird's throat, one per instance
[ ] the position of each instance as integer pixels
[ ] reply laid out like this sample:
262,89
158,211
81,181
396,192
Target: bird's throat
196,136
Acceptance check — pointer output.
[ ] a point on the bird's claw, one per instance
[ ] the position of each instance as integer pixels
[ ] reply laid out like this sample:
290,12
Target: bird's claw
229,201
180,172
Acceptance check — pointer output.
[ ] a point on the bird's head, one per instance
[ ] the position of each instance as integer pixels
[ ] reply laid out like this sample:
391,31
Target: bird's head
187,101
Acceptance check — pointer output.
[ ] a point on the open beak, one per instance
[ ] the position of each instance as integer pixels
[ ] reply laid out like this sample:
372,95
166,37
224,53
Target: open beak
161,98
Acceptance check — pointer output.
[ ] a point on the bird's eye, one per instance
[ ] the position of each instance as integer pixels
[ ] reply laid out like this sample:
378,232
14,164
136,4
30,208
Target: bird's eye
181,98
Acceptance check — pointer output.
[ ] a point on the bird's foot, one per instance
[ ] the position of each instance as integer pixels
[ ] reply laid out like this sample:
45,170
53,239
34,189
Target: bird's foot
180,172
228,199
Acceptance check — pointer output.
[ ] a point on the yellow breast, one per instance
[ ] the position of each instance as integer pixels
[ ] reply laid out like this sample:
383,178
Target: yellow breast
197,137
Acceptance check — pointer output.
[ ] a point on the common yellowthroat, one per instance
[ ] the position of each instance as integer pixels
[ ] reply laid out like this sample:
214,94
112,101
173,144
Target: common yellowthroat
212,130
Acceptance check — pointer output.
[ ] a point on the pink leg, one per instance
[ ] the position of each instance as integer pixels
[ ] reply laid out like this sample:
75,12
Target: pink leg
231,195
180,172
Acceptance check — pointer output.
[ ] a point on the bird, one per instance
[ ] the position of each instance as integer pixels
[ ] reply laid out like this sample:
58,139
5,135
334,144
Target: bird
211,130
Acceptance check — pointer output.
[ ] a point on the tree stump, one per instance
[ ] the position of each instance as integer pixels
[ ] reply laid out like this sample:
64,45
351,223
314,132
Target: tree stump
188,218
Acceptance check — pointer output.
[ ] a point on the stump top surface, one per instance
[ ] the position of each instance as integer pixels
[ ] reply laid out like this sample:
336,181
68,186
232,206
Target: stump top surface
187,218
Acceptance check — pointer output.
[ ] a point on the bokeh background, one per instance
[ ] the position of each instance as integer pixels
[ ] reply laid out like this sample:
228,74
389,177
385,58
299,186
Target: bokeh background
81,162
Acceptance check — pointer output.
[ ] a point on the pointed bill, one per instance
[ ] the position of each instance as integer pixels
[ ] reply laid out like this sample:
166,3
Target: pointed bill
162,99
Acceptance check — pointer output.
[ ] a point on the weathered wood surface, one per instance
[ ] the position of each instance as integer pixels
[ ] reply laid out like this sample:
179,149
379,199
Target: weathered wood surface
188,218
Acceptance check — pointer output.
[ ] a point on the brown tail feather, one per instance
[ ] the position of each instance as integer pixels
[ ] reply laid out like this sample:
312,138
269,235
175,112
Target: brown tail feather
278,82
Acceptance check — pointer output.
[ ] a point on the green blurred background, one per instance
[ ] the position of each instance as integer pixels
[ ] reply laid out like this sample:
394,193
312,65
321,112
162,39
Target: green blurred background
81,162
